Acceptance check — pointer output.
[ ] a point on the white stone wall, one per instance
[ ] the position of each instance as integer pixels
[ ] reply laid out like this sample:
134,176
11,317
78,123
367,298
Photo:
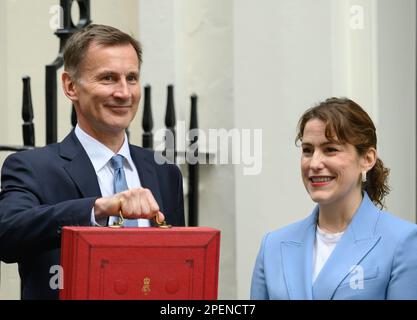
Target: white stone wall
254,65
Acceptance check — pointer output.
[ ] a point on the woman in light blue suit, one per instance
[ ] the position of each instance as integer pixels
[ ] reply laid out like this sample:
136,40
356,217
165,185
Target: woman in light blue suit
347,248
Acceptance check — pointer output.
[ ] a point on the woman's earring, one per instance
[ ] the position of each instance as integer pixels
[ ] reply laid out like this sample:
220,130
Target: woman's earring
363,176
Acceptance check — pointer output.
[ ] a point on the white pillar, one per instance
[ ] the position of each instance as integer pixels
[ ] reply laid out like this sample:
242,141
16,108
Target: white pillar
3,69
397,101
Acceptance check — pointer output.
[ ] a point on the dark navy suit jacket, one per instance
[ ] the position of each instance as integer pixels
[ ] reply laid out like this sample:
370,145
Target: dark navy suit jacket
55,186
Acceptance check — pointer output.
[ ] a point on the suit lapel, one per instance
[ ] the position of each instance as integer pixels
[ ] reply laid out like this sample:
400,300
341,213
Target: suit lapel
81,170
147,173
297,260
79,166
354,245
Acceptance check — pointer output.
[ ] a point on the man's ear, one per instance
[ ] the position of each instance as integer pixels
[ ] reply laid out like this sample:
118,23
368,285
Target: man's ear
369,159
68,85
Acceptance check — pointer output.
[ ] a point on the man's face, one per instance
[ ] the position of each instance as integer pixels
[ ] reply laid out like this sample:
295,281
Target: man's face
107,91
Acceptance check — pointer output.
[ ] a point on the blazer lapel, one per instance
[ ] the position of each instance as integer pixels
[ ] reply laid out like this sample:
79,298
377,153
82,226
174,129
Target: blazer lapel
354,245
82,172
79,166
297,260
147,174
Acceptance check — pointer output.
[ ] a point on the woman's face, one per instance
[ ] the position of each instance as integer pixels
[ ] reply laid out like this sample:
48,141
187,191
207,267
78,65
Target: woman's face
330,171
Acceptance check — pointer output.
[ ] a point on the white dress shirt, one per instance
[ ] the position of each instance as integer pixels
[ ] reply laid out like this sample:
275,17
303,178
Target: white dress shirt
100,156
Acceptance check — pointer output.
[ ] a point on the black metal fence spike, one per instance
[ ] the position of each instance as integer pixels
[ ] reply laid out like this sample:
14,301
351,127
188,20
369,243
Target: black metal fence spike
193,168
147,120
28,128
170,110
51,100
170,143
73,116
27,108
193,116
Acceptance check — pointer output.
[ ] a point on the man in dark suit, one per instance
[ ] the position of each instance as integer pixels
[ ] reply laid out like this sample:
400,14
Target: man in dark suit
72,183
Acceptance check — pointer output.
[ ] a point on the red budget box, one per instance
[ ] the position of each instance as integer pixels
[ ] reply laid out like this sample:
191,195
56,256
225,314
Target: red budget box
140,263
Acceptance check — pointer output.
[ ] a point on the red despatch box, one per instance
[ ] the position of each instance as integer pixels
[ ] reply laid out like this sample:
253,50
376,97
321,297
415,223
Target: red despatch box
140,263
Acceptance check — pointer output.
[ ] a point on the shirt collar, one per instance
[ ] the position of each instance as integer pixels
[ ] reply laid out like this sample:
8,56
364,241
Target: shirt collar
100,154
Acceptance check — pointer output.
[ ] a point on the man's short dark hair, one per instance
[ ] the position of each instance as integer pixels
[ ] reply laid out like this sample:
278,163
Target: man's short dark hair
78,44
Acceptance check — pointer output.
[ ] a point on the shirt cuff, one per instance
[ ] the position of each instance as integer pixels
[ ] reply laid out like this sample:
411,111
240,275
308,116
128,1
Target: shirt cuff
93,219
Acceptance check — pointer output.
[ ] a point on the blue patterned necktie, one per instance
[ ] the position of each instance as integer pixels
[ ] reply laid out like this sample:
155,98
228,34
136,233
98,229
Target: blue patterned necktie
120,183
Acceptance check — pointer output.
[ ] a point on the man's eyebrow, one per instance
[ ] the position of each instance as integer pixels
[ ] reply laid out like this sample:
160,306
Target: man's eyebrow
321,144
136,73
108,71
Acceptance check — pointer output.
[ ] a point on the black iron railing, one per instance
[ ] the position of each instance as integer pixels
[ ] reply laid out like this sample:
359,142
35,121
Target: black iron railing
68,28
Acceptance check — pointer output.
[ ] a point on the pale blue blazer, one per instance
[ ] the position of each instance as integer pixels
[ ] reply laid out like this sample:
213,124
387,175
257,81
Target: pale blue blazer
382,245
